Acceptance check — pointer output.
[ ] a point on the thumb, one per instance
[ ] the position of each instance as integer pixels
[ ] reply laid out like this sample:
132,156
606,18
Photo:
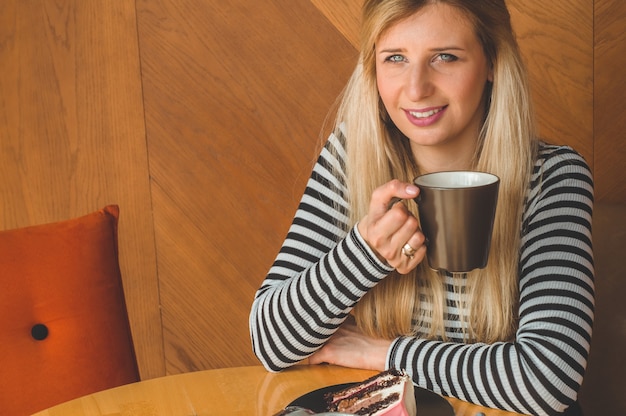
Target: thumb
386,196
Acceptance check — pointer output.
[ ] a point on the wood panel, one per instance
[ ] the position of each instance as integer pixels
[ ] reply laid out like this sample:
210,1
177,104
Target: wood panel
345,15
556,41
72,135
235,96
603,389
610,100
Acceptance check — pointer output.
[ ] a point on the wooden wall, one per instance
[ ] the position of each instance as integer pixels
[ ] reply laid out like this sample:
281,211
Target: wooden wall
609,110
201,119
73,136
235,94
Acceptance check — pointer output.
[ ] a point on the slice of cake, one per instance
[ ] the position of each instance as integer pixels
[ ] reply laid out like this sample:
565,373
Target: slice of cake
389,393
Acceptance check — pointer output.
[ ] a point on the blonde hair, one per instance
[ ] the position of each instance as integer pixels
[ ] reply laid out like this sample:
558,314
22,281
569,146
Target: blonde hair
378,152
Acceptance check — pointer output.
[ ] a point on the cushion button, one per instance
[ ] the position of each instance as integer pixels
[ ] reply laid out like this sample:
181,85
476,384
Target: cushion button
39,332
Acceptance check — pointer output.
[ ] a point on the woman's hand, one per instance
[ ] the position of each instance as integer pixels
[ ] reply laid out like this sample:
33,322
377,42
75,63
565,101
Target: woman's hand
388,229
348,347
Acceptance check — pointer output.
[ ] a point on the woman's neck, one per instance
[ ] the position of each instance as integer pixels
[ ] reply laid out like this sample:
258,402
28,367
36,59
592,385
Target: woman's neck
437,159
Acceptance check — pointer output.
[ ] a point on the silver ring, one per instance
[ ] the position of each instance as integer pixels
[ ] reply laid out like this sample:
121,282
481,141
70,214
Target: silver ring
408,251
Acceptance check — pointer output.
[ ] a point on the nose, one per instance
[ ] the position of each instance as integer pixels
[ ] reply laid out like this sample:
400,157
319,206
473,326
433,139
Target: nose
419,83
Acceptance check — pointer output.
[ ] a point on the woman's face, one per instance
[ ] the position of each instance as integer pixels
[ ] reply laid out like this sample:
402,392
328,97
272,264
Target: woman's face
431,73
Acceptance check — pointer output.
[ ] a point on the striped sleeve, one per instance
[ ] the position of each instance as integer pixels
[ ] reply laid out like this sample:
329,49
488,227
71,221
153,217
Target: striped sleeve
321,271
541,371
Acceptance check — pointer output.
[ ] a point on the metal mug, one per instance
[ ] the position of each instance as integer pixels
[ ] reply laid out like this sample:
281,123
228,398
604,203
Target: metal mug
456,212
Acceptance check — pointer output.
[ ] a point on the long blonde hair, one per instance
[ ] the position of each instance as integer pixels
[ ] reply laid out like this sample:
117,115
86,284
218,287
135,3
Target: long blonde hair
378,152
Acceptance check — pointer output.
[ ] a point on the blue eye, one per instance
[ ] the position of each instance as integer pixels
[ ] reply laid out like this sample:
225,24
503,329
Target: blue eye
447,57
395,58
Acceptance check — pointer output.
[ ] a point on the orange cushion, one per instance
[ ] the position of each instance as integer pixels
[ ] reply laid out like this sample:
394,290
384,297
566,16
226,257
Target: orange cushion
61,283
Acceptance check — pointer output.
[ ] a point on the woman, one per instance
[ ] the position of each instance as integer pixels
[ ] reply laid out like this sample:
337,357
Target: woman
439,86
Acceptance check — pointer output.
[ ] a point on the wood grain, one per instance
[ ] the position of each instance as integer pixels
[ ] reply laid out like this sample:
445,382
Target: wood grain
73,138
235,95
604,385
556,42
610,100
345,15
239,391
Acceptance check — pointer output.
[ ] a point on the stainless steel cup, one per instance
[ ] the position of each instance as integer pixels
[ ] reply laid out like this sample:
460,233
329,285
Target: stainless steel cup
456,212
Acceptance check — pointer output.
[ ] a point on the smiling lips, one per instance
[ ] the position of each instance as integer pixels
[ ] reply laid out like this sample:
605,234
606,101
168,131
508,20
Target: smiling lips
425,117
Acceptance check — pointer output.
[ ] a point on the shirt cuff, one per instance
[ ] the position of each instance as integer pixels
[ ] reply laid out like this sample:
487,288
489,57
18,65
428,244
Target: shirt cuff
367,250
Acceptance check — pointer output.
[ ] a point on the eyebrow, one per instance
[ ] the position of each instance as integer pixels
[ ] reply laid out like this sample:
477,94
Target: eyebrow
448,48
445,48
392,50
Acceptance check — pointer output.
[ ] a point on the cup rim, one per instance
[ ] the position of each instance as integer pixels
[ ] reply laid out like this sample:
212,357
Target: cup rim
480,179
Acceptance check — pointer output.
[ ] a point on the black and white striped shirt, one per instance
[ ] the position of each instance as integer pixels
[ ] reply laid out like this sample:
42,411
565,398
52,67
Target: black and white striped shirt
322,271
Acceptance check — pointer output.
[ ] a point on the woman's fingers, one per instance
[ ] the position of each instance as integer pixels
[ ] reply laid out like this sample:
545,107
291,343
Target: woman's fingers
411,253
384,197
349,347
395,228
390,229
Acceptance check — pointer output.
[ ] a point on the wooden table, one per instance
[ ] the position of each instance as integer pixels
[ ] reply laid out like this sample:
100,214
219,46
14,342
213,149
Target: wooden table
242,391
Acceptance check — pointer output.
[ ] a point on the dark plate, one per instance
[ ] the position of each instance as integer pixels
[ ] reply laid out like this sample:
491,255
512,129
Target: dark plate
428,403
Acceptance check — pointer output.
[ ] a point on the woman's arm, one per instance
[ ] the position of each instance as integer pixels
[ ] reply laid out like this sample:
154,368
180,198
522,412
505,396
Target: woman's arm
319,274
542,370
